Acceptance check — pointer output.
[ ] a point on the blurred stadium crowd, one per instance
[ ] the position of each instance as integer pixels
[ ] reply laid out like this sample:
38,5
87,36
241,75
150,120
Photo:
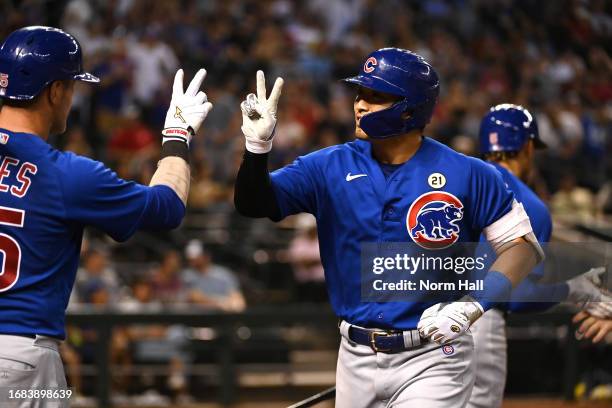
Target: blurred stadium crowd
552,57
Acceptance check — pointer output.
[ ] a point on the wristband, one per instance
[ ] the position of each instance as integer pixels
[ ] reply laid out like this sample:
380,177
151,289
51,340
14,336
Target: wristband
175,148
497,288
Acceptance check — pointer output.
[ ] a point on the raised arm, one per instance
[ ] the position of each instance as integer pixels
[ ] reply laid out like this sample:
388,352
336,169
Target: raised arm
187,111
254,196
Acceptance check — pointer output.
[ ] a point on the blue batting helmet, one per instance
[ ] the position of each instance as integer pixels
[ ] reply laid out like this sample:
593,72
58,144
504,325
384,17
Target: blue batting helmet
403,73
506,128
33,57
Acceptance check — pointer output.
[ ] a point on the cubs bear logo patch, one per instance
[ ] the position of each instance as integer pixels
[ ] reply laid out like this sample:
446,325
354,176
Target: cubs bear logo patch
432,220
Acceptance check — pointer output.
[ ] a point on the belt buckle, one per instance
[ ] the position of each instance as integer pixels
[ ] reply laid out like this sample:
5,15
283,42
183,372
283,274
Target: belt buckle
373,336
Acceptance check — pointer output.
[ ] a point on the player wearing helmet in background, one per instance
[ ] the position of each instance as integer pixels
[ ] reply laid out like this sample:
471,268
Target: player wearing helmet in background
392,184
47,197
508,139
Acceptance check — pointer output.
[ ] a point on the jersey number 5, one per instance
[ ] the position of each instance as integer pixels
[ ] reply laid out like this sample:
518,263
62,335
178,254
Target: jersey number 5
11,252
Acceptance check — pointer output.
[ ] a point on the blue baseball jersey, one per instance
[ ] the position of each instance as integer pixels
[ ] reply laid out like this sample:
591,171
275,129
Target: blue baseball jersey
529,295
539,217
47,197
538,213
354,203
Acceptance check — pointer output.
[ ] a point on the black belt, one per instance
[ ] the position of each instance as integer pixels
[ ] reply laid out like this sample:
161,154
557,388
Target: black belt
385,341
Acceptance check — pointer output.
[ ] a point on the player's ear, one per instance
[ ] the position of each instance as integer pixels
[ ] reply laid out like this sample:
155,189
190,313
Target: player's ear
55,92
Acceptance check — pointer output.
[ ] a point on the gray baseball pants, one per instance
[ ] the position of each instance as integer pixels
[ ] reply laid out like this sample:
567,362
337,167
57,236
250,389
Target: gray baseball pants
29,364
428,376
491,354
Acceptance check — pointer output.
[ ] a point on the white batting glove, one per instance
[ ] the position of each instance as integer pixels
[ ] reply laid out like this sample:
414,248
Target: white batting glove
259,116
588,292
601,309
444,322
187,109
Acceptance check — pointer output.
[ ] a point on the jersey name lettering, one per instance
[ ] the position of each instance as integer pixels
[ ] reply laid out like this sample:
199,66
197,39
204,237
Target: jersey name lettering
23,180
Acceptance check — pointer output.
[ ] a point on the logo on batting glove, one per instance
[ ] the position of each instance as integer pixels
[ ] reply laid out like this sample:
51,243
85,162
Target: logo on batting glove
176,134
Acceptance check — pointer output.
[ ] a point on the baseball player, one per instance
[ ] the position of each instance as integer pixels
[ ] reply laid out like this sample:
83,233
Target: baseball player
373,190
508,139
47,197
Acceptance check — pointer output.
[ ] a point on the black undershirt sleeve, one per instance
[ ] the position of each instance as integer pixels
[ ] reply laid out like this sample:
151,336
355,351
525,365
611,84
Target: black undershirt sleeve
253,193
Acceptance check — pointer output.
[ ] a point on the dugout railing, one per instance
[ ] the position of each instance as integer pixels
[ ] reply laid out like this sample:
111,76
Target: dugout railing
320,318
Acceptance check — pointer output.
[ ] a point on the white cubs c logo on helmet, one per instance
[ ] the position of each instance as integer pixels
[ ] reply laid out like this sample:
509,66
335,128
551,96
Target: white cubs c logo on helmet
369,65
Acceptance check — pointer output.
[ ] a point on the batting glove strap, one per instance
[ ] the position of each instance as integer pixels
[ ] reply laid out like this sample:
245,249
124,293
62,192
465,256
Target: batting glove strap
177,134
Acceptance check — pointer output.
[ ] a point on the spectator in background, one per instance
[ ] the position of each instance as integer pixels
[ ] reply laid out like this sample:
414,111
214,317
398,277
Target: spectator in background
210,285
96,280
72,362
113,94
132,139
116,69
155,343
140,297
166,280
563,69
153,62
572,202
205,191
306,261
77,143
98,290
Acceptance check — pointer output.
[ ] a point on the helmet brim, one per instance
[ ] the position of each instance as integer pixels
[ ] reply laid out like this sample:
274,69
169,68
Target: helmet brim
375,83
87,77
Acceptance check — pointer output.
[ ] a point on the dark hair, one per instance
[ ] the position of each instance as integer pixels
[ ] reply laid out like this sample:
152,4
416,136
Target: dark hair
24,104
500,156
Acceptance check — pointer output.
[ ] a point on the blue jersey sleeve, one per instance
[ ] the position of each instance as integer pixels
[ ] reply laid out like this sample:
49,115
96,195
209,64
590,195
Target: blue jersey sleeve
94,195
532,296
544,232
490,198
295,186
164,209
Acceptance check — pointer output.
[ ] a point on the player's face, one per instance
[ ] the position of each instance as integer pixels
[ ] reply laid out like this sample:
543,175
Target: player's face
62,92
368,101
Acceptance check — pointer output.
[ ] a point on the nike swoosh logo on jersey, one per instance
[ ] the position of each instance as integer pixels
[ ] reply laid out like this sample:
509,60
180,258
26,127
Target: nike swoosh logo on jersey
350,177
